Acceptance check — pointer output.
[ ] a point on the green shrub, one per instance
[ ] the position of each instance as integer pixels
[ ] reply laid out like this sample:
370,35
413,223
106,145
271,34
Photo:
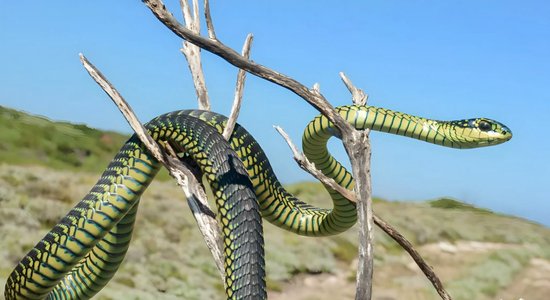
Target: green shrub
447,203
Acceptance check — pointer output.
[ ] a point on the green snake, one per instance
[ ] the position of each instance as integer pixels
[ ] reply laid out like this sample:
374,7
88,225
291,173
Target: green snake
83,251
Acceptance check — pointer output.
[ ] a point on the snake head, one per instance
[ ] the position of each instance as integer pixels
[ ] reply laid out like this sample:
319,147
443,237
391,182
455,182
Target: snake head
487,132
474,133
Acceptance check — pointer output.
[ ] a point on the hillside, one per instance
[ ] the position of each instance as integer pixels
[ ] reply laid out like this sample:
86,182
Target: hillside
33,140
477,253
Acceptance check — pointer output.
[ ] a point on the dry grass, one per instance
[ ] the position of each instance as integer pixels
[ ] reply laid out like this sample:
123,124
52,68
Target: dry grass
168,260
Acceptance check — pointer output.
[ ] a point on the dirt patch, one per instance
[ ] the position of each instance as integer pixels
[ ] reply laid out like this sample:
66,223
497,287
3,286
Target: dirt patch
464,246
398,277
319,286
533,283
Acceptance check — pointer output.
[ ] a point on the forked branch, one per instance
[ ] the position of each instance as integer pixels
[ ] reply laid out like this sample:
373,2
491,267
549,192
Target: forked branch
185,178
317,100
309,167
355,142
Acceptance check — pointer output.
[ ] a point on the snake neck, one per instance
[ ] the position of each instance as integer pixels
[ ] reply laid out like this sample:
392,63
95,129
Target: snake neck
443,133
320,130
389,121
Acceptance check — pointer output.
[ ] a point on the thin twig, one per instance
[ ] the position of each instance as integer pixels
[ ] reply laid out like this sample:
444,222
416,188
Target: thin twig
196,19
190,22
192,53
185,178
309,167
316,88
239,88
358,95
405,244
209,23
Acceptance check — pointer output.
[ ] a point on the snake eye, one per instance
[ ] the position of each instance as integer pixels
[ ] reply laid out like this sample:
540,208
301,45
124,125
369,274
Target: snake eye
484,125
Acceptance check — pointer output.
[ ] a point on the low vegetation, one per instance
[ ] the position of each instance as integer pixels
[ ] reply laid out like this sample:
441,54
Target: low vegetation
168,259
477,253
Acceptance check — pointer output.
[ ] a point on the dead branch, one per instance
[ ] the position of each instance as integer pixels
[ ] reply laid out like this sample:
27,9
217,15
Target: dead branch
317,100
209,23
192,53
184,176
425,267
355,142
358,95
352,139
241,76
309,167
359,152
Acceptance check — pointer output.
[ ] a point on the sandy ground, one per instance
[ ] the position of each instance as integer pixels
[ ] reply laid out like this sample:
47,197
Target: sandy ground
533,283
403,280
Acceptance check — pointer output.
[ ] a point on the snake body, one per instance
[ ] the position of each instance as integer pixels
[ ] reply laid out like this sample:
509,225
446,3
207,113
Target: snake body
83,251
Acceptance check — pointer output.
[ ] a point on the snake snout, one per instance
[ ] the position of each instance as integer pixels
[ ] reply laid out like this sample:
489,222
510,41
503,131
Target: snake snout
506,132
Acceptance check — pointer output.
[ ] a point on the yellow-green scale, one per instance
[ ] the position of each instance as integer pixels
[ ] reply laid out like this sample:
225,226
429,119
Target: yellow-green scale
277,205
91,241
89,225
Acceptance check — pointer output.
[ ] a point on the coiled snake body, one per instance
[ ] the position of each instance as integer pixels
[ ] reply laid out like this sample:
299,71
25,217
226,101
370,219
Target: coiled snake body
83,251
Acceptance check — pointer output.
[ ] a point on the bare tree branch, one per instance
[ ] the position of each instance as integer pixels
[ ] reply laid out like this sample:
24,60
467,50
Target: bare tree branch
355,142
425,267
209,23
241,76
190,21
358,148
193,57
185,178
215,46
192,53
357,145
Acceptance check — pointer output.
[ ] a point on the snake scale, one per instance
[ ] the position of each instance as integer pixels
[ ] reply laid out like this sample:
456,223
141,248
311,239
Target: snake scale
83,251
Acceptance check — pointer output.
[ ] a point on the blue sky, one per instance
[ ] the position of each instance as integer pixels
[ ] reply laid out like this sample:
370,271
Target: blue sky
437,59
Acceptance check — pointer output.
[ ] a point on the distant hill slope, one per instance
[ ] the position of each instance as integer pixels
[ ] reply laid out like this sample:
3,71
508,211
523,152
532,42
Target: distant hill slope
34,140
